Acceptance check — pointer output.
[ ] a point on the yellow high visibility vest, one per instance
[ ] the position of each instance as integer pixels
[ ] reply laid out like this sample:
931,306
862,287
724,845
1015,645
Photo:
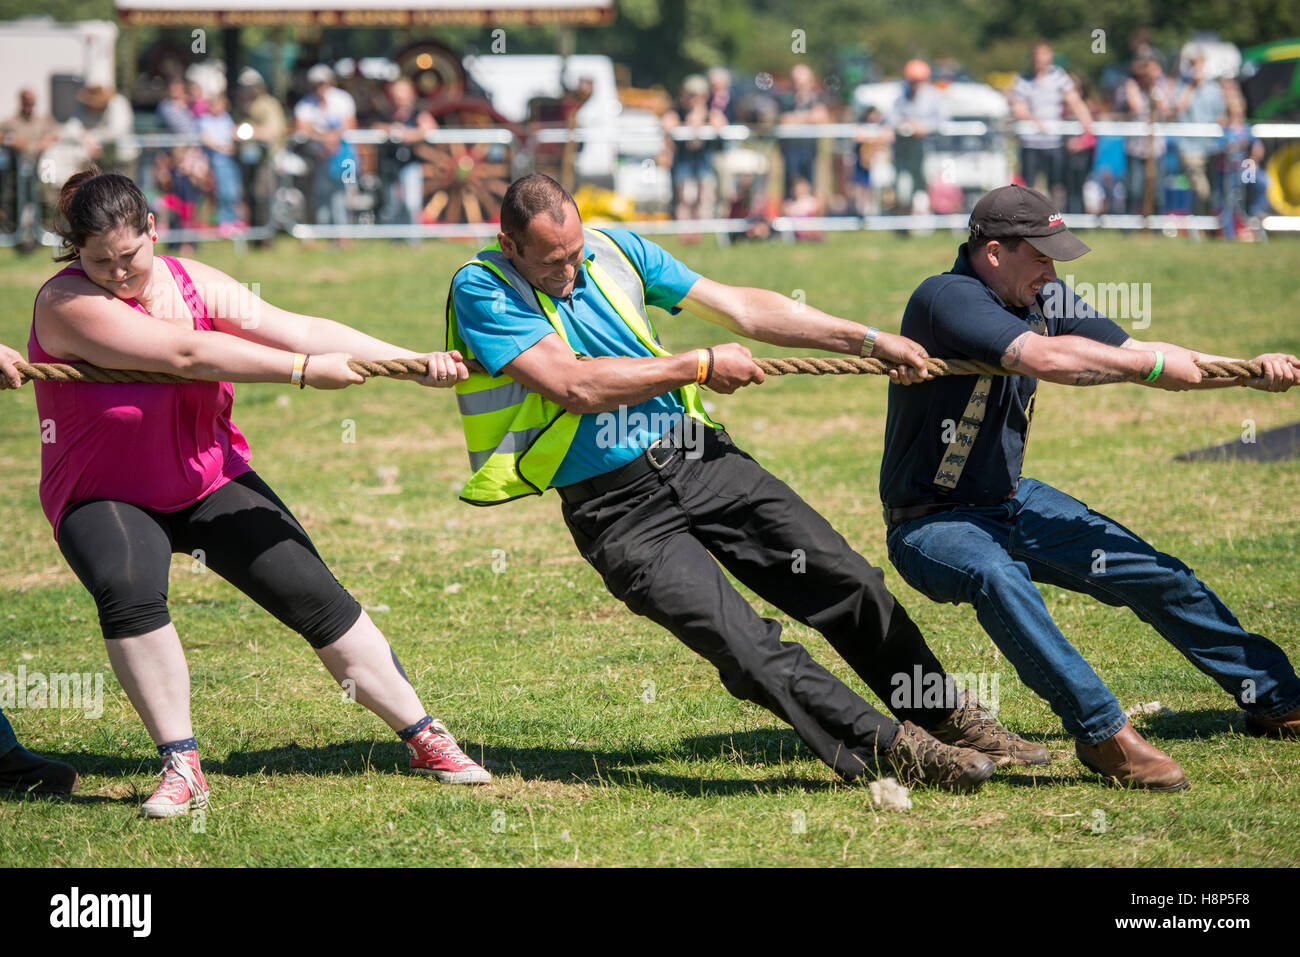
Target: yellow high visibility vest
518,439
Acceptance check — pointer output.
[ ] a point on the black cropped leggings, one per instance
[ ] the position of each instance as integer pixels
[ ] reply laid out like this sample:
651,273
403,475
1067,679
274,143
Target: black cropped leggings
242,531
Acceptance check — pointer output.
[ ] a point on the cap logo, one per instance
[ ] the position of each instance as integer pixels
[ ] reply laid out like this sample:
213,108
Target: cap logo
1054,219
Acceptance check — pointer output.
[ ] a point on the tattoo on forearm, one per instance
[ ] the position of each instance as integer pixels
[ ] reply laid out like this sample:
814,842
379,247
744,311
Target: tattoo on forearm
1011,358
1097,377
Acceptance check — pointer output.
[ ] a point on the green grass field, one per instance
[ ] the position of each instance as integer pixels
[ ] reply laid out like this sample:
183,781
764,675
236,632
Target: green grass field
511,638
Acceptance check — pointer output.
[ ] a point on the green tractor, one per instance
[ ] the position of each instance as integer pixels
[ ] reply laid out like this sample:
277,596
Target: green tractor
1270,79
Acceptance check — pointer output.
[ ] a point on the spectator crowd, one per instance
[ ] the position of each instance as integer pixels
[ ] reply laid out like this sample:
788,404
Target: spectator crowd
890,164
237,154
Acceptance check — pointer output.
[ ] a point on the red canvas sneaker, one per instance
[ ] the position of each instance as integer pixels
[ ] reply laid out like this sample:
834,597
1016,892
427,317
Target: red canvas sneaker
434,751
182,788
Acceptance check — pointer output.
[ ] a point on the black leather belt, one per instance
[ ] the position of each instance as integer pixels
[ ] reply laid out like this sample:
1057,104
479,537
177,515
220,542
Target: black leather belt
909,512
657,457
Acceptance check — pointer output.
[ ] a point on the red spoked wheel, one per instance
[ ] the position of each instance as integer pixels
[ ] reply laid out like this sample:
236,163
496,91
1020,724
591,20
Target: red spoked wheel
465,182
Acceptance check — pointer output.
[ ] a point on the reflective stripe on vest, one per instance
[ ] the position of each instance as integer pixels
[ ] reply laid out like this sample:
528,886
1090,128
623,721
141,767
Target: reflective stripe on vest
491,400
517,439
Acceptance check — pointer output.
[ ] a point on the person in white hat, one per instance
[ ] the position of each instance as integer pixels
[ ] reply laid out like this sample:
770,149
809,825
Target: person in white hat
324,115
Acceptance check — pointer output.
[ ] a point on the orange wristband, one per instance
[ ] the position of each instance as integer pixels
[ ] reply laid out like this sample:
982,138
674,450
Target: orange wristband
702,372
299,360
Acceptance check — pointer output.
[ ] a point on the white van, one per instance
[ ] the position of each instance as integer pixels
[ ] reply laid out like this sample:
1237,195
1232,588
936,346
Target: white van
970,150
512,81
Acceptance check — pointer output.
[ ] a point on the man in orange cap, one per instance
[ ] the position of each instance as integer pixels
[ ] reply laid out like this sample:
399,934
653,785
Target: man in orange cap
917,113
916,71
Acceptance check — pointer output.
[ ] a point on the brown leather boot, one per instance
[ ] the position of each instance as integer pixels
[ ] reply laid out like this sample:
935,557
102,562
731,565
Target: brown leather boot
1287,726
1127,760
917,758
973,726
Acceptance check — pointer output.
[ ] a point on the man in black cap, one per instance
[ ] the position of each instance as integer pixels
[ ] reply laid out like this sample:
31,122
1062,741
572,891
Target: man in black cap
964,526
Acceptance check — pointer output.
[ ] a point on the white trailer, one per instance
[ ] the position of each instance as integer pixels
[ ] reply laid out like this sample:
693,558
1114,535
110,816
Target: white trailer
35,50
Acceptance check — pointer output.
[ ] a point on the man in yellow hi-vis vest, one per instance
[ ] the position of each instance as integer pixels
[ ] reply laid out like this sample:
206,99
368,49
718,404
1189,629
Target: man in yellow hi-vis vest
657,496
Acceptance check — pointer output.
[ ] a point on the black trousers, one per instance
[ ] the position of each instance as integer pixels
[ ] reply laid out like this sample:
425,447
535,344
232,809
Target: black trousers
655,541
242,531
1077,167
1049,162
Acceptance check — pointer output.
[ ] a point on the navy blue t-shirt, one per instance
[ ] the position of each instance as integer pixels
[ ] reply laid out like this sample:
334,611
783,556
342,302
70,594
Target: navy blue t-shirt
956,316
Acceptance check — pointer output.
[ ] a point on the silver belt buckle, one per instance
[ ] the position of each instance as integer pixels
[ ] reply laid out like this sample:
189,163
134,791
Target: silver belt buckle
649,454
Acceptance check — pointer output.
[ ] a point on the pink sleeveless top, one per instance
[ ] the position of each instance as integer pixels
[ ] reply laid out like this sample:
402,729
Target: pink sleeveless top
161,447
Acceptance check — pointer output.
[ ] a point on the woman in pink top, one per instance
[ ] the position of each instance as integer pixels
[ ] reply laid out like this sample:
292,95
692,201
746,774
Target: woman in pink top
135,472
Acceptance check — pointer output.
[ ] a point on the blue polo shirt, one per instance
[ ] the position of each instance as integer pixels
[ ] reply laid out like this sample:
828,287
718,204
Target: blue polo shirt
499,331
956,316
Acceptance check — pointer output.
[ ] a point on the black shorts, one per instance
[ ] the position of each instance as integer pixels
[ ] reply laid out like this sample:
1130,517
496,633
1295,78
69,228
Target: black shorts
242,531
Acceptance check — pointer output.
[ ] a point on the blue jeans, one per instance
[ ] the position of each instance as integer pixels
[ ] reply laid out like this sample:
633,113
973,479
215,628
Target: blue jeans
990,557
331,196
7,739
27,197
229,185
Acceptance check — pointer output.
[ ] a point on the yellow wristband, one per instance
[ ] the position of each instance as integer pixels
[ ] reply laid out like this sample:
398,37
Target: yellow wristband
702,372
299,360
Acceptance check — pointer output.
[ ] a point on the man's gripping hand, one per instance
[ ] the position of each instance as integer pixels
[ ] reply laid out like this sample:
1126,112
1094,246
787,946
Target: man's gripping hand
909,355
1179,373
733,367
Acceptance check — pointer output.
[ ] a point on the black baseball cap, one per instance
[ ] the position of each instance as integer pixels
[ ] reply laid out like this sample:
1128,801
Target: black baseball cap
1018,211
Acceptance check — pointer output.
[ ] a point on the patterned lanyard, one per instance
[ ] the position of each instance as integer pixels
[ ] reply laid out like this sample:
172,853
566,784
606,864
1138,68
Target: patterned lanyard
954,458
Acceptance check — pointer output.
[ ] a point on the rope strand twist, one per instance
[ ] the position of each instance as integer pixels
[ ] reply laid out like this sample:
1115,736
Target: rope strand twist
792,365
